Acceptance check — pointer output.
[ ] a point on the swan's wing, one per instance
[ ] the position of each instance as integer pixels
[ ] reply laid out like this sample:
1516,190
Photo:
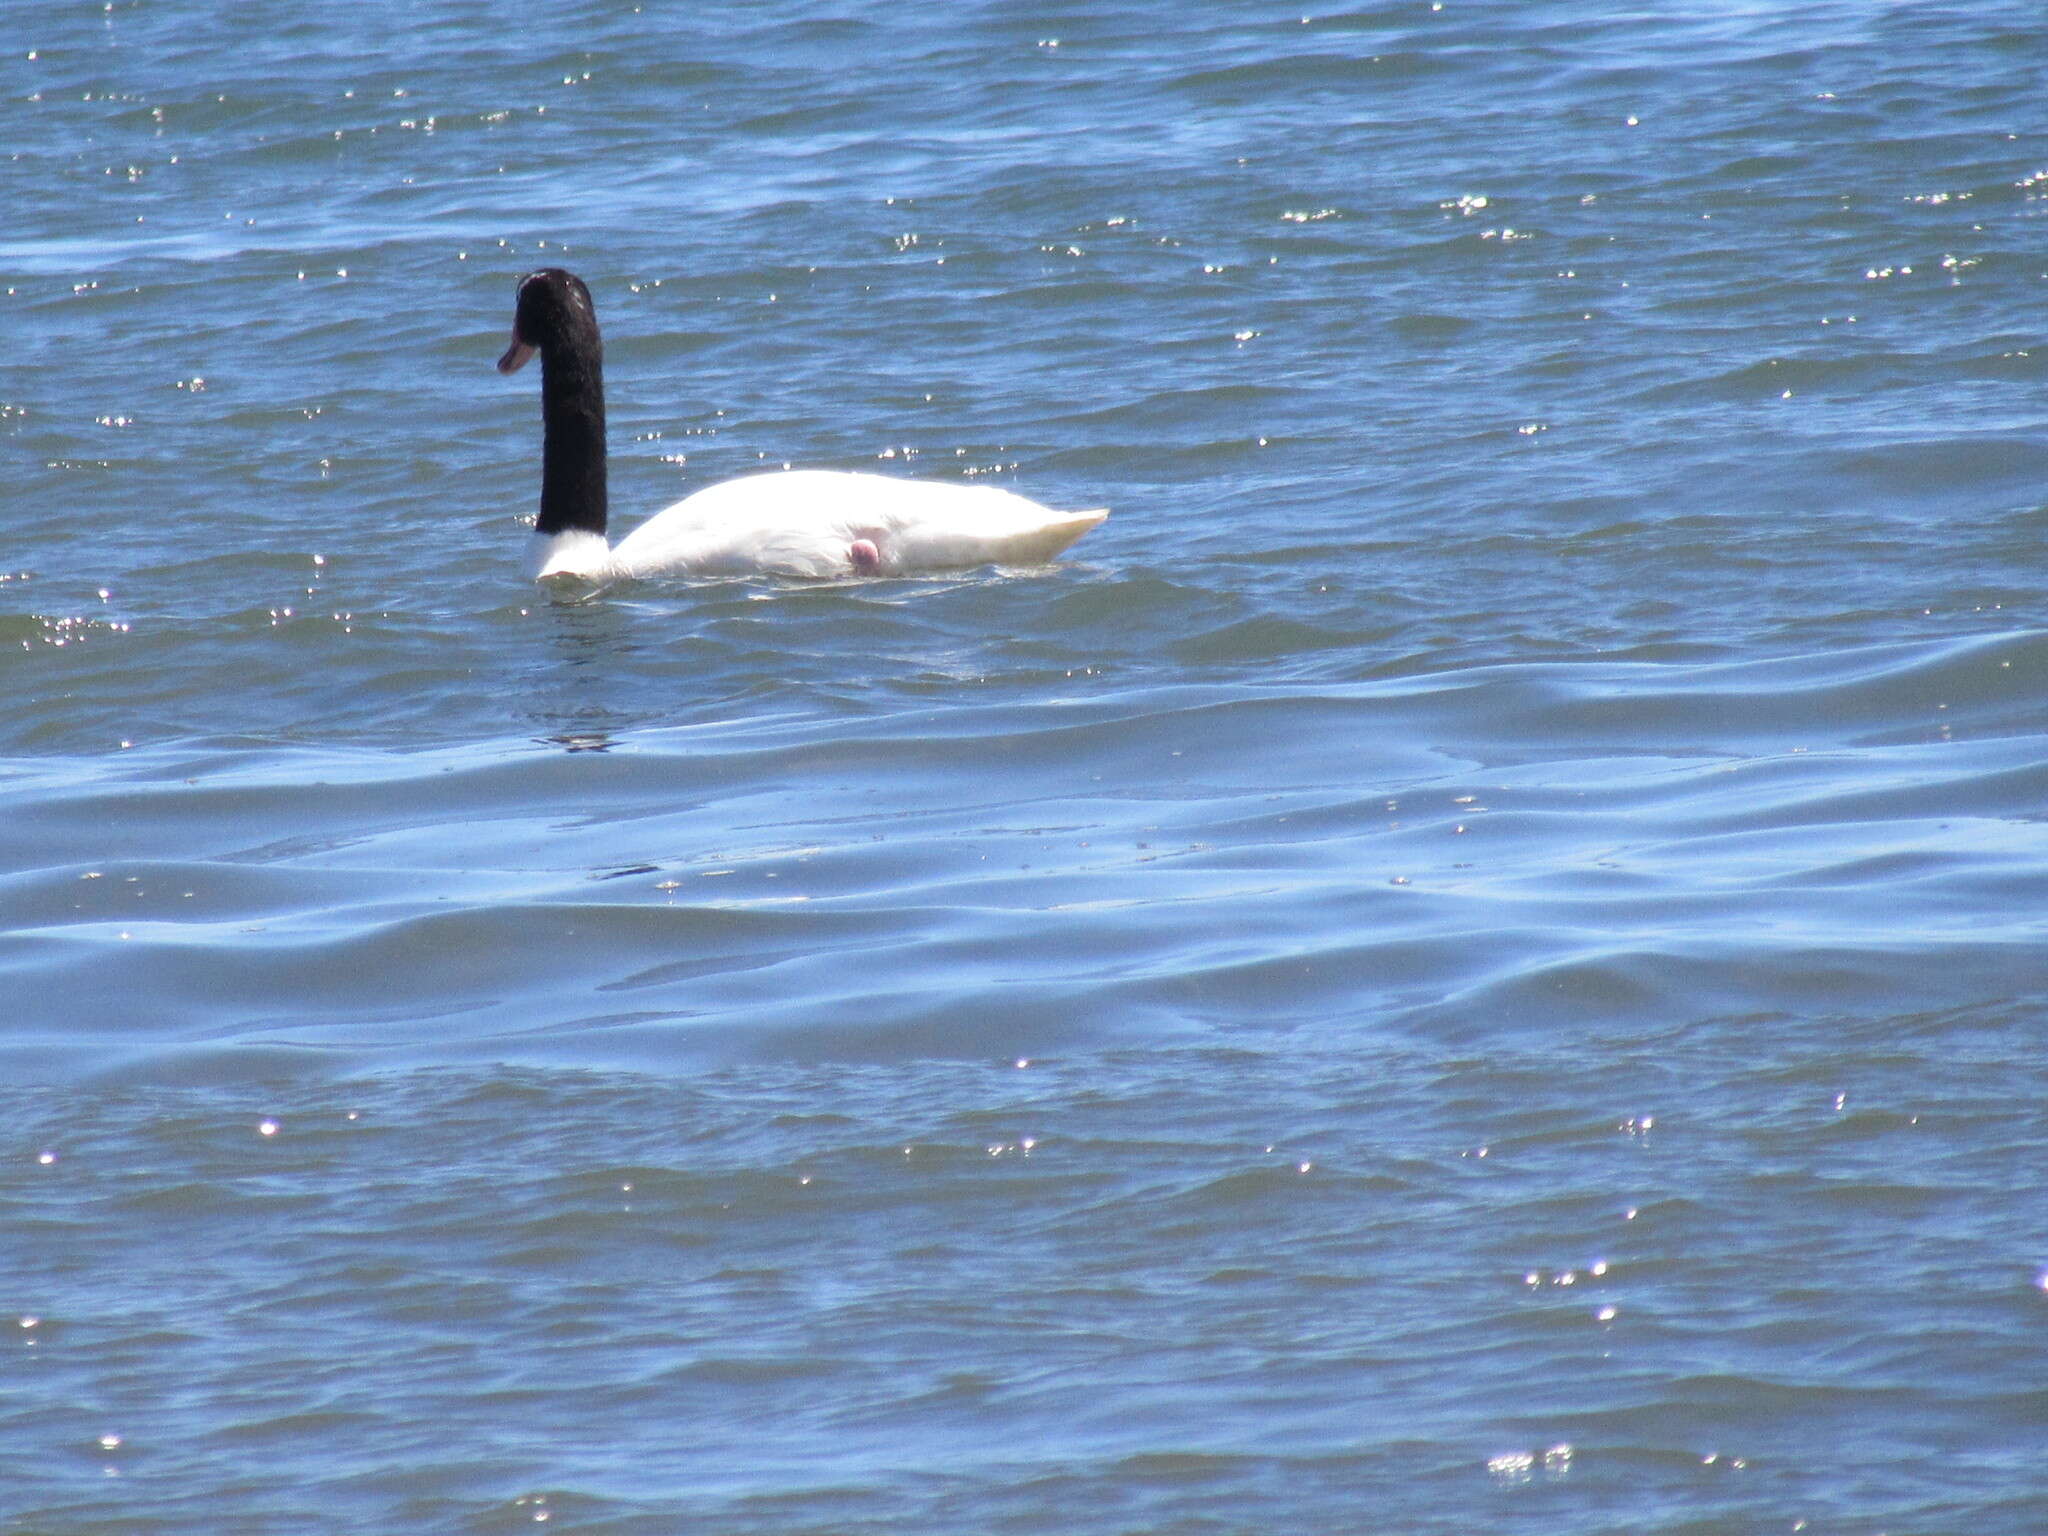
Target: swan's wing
738,528
805,522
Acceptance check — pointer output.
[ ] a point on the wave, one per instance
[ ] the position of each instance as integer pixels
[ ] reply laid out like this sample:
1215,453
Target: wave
1531,846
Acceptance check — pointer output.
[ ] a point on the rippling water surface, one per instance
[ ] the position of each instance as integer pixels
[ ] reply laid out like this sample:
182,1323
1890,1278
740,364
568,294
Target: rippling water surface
1472,961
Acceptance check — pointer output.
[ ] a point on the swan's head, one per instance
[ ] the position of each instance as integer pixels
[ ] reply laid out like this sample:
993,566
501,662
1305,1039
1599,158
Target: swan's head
554,311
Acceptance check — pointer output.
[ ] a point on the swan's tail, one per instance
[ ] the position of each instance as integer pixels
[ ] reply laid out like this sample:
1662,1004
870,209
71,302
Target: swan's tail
1034,546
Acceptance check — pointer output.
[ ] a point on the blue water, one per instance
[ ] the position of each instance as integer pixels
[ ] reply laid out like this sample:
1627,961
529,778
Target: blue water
1473,960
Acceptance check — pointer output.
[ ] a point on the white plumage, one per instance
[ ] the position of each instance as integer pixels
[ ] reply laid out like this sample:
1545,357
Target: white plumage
808,522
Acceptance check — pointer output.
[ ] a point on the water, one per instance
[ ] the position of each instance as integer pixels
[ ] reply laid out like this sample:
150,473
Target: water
1473,961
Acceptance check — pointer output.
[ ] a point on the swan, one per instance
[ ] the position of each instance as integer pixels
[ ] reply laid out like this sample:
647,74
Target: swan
803,522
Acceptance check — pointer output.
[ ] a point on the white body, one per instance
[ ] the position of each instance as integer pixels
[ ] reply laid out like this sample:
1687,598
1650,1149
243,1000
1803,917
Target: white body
820,522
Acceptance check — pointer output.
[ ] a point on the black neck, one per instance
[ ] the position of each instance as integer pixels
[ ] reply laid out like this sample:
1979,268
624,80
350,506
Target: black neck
572,491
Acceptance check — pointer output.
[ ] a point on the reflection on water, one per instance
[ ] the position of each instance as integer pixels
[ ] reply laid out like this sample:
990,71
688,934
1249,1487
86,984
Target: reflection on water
584,741
576,694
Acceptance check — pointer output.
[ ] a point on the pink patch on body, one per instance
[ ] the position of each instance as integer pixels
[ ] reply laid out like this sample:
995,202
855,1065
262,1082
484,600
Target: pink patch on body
865,557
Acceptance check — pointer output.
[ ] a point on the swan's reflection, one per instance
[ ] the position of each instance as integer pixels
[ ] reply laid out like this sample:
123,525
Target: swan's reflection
570,704
580,741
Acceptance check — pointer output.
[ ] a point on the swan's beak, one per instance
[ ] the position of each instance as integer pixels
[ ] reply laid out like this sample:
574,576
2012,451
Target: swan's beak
515,355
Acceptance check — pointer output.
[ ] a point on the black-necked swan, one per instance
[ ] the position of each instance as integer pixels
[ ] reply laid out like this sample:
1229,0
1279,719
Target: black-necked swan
803,522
